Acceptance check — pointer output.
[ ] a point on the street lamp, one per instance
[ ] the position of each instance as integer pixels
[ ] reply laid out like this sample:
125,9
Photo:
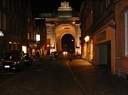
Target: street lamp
1,34
73,22
87,38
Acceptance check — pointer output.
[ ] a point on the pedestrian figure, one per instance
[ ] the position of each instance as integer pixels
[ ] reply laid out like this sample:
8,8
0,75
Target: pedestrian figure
70,57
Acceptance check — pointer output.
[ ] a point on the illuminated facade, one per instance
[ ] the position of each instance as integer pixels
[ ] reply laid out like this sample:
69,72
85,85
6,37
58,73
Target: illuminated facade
60,25
86,18
36,37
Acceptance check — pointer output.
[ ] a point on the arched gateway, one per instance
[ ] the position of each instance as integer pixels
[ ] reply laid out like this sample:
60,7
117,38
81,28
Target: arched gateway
63,31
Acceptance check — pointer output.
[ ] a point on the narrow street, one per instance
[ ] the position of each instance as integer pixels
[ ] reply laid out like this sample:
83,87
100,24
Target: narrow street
63,77
63,47
47,78
95,80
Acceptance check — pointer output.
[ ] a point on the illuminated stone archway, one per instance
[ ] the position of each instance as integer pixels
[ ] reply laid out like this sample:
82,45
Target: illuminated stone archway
58,26
62,30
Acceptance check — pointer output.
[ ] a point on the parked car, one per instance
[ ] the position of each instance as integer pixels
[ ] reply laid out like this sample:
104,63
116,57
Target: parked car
12,60
27,60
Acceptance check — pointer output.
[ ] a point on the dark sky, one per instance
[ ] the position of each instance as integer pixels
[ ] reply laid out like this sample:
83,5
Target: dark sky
40,6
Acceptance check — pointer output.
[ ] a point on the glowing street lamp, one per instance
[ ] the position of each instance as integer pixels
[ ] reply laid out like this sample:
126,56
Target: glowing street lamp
73,22
87,38
48,45
1,34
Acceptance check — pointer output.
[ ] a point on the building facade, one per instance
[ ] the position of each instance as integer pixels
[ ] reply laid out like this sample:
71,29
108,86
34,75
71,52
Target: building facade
13,23
61,24
121,17
36,36
107,31
86,18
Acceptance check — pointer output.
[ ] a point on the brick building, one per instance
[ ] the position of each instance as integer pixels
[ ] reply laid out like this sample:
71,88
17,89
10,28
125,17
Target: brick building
121,18
105,22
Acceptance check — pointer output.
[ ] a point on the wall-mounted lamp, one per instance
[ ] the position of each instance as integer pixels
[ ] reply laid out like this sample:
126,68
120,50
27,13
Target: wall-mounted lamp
48,45
73,22
87,38
10,42
1,34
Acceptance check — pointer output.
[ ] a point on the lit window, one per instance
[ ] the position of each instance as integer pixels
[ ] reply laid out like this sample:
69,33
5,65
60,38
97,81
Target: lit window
107,3
24,49
37,37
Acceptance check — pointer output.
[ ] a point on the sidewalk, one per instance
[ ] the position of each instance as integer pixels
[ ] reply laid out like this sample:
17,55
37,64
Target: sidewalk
96,80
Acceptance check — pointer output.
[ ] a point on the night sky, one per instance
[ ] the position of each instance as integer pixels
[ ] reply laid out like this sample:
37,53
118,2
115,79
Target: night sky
43,6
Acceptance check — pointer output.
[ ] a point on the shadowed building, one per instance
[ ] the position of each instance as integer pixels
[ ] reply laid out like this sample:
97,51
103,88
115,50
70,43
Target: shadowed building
14,16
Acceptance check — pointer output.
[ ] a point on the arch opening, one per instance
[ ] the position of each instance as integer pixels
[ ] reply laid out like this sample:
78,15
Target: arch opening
68,43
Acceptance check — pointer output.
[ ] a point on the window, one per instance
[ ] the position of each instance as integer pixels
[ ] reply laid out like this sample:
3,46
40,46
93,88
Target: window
0,21
107,3
4,22
4,3
126,32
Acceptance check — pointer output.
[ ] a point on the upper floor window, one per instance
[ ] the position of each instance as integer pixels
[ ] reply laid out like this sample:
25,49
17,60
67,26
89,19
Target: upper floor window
4,3
126,31
0,21
107,3
4,22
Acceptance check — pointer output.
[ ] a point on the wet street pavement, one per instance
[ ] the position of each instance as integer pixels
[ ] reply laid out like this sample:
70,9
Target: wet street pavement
94,80
63,77
46,78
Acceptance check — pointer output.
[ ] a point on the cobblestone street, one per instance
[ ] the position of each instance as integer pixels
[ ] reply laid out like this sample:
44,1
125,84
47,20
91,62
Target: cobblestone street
97,80
63,77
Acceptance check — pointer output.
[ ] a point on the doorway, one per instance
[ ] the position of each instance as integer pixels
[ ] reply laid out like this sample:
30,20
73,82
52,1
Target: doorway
68,43
105,55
